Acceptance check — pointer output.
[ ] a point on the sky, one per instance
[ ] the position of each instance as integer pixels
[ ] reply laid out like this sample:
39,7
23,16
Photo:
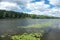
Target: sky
38,7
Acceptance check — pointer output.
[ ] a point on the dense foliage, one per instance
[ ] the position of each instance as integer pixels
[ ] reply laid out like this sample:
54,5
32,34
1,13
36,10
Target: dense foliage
12,14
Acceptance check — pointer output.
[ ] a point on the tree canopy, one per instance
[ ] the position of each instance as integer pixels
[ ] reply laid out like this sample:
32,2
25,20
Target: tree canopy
11,14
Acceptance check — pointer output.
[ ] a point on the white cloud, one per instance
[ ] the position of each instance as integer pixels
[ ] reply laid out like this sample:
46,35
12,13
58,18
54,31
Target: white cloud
50,12
9,6
38,6
55,2
13,4
36,12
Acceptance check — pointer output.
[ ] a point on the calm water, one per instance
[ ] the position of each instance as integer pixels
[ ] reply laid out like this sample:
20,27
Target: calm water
9,26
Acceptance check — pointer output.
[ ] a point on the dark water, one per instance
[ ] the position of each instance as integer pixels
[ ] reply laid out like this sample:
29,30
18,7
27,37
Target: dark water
54,34
9,26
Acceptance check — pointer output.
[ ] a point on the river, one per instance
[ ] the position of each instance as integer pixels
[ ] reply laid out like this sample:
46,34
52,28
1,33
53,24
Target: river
9,26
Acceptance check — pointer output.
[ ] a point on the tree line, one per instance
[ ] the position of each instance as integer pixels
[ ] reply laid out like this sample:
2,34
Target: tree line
11,14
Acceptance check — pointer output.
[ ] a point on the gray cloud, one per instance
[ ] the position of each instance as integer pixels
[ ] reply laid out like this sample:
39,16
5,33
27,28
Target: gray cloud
20,2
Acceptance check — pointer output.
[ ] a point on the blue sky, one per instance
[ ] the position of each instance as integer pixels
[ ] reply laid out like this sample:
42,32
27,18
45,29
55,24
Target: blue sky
39,7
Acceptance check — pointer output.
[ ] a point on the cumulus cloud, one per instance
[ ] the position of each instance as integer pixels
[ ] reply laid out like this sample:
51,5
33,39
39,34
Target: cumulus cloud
55,2
8,6
49,12
13,4
38,6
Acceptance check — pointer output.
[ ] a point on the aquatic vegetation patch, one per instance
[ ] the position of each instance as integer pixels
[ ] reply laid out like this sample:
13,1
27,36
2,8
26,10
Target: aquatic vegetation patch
41,25
25,36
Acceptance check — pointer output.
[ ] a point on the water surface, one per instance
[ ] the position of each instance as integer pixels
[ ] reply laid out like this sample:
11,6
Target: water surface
9,26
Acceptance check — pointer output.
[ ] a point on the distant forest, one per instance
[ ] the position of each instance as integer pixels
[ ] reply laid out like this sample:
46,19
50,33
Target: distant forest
11,14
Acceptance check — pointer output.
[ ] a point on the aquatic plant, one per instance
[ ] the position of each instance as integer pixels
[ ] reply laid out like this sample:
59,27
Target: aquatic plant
25,36
41,25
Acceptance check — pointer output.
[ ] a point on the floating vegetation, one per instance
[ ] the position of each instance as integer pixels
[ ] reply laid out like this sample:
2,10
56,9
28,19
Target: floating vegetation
25,36
45,24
